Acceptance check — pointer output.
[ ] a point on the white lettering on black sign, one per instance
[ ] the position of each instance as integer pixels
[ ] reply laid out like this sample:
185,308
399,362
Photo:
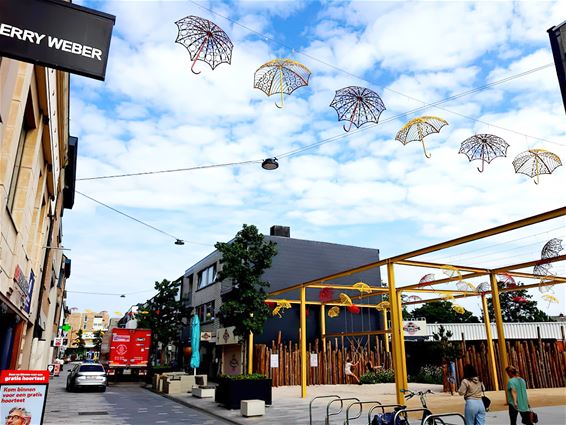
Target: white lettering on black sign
53,42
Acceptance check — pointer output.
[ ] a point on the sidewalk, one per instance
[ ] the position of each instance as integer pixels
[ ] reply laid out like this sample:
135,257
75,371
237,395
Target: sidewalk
289,409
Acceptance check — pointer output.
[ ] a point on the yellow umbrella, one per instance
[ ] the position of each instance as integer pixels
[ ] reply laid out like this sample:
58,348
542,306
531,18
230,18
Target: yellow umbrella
419,128
334,311
362,287
281,305
345,299
458,309
281,76
383,305
535,162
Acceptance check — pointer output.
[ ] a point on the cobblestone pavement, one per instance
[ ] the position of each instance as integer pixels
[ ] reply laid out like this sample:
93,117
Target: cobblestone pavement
122,404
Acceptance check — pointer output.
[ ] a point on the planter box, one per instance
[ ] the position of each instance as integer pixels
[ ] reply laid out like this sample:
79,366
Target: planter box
230,392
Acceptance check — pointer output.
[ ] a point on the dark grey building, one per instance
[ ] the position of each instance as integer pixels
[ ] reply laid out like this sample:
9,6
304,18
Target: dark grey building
297,261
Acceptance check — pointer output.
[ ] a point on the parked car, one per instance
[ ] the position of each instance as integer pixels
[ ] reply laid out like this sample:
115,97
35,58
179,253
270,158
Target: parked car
86,375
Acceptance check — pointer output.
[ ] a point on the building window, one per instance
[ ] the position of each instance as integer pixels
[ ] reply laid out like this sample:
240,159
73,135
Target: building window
206,312
16,170
207,276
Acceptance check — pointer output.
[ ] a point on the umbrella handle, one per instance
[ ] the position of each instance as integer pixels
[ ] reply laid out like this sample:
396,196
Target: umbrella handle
428,155
481,169
347,129
197,55
536,179
351,119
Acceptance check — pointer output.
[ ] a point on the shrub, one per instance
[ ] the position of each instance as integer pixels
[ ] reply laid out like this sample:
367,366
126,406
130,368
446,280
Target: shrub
378,377
252,376
429,374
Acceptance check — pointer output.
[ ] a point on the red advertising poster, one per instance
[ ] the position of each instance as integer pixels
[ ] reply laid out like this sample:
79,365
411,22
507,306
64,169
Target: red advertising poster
22,396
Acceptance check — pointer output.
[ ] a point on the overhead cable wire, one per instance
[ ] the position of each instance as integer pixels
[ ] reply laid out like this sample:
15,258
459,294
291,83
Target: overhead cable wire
426,105
172,170
138,220
109,293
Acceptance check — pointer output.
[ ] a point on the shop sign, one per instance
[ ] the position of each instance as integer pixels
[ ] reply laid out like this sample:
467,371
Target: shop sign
415,328
207,337
274,360
27,302
21,280
58,342
314,359
23,393
56,34
225,336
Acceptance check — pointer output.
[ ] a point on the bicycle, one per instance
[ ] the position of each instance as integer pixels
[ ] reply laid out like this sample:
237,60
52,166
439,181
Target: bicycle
426,411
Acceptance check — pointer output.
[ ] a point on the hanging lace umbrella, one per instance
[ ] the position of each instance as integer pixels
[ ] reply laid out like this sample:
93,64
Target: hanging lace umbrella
458,309
326,294
383,305
519,299
427,278
354,309
334,311
283,304
550,299
358,105
543,269
419,128
465,286
345,299
552,248
506,279
364,288
535,162
483,287
486,147
451,272
205,41
281,76
413,298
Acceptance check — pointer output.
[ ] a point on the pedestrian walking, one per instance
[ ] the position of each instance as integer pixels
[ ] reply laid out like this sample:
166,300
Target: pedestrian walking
348,370
472,389
517,397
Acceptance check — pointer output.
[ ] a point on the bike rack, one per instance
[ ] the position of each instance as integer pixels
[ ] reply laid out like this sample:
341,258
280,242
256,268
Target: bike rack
341,400
321,396
405,411
358,403
382,407
432,418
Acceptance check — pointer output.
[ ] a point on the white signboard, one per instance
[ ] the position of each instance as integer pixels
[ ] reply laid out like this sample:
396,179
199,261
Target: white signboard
207,337
274,360
225,336
314,360
58,342
414,327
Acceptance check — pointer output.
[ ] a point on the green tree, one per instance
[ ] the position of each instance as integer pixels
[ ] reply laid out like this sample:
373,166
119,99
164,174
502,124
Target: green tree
446,349
244,259
442,312
98,340
517,306
163,314
80,342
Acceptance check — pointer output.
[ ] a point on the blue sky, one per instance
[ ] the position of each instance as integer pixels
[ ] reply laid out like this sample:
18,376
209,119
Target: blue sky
362,189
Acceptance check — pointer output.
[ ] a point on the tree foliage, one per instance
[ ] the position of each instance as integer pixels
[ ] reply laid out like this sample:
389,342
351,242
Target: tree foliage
244,259
517,306
98,340
446,349
163,313
79,340
442,312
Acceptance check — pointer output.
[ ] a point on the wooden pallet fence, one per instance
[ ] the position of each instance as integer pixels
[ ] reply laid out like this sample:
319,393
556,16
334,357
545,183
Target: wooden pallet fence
329,362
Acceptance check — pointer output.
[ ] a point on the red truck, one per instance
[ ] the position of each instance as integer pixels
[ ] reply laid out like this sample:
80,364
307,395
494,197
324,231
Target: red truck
126,351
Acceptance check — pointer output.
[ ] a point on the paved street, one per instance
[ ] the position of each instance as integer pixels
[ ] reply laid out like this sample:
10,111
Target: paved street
123,403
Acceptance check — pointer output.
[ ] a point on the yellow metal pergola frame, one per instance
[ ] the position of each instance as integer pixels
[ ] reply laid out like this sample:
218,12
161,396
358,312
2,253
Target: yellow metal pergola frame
396,330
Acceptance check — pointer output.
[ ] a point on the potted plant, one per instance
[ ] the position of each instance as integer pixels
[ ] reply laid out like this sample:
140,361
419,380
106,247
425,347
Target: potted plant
232,389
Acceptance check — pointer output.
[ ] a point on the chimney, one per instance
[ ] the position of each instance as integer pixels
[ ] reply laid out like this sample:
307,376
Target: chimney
283,231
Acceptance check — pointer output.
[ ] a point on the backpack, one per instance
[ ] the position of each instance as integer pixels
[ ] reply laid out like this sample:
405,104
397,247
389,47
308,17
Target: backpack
387,419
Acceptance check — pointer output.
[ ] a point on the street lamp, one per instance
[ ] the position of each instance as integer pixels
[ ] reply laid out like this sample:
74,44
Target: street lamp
270,164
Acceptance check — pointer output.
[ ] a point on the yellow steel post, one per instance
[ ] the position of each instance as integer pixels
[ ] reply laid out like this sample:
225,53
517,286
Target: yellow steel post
490,351
499,324
303,343
323,326
250,352
386,327
402,340
396,337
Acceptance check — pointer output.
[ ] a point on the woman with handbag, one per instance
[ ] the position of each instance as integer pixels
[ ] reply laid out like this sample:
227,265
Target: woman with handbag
472,389
517,397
